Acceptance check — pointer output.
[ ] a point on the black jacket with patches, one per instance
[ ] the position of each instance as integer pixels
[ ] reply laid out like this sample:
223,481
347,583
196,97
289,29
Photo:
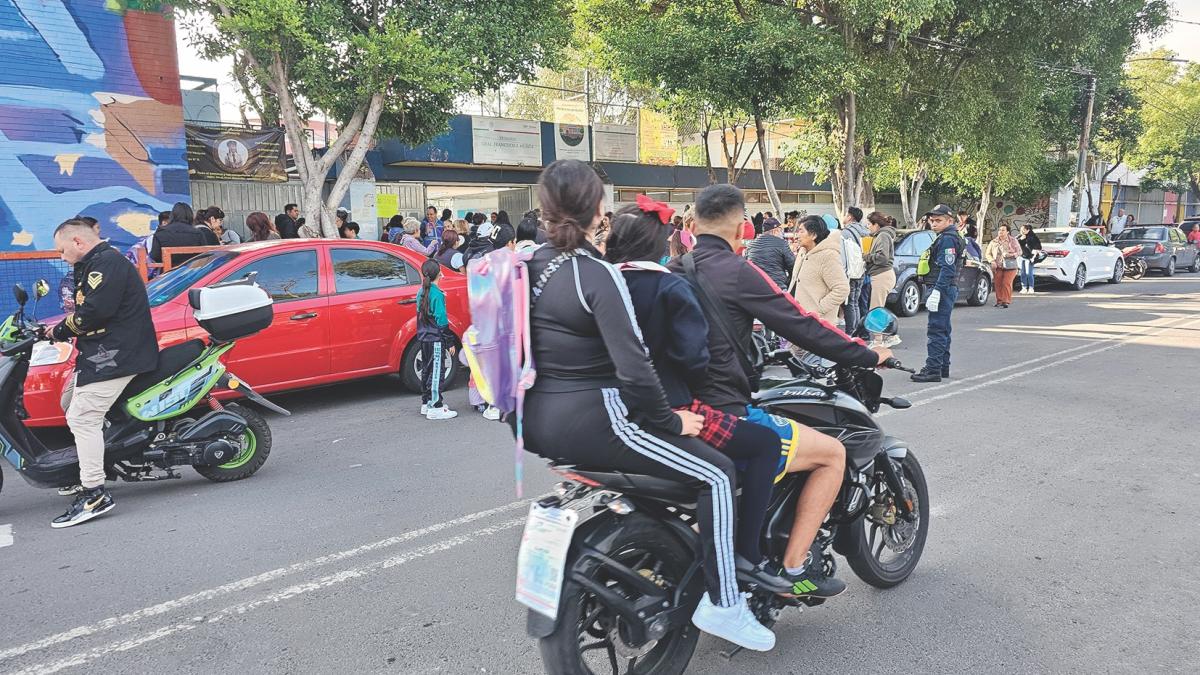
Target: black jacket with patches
111,323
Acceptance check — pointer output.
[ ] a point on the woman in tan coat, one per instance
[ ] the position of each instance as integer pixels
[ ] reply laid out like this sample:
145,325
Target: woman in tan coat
819,279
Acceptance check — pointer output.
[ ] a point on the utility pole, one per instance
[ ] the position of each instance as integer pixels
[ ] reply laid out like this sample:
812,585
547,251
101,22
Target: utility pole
1084,139
587,114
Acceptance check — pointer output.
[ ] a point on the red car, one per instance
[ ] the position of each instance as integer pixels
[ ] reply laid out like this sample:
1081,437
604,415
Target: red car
344,309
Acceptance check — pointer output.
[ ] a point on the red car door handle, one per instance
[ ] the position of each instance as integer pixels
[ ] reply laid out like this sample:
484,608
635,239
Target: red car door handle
409,301
304,316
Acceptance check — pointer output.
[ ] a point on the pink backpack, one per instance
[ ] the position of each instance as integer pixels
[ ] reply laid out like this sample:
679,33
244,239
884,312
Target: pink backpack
497,343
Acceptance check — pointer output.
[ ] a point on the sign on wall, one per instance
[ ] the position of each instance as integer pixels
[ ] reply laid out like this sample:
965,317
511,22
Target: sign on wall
659,142
616,142
235,154
496,140
570,130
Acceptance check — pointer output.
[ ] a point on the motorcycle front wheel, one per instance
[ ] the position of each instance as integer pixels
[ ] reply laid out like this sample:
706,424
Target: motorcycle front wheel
588,640
884,548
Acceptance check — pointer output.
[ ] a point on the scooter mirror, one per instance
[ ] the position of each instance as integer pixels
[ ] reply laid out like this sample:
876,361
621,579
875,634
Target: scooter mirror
20,294
41,288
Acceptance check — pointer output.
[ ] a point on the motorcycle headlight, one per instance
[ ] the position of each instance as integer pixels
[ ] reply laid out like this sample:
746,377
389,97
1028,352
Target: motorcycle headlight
50,353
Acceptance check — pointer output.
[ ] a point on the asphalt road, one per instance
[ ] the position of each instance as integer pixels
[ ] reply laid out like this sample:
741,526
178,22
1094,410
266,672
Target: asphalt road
1060,458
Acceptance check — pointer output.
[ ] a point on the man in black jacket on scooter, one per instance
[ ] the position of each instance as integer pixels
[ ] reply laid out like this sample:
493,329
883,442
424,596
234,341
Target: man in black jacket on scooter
743,293
115,337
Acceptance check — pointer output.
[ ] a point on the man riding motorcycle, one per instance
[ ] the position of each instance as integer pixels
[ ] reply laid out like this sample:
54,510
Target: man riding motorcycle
115,337
744,293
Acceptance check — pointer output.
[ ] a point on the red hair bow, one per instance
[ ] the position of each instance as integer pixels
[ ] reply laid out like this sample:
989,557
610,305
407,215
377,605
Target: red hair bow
648,205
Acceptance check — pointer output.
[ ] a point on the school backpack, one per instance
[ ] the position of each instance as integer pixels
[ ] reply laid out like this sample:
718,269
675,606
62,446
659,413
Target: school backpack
852,254
497,343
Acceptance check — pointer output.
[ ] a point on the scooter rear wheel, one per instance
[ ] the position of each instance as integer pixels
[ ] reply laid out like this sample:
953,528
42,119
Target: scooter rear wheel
256,446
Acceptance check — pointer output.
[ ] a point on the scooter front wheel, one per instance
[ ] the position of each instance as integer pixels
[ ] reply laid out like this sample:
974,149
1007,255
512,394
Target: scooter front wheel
255,447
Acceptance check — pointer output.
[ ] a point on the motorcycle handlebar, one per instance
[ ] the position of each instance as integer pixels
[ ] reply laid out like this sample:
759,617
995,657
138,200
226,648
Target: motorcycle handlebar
894,364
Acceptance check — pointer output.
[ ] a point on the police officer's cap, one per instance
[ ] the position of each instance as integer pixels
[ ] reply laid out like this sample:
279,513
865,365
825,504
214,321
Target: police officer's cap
940,210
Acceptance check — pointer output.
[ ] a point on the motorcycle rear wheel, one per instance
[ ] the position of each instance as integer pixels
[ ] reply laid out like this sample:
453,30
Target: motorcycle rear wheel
870,539
581,643
256,446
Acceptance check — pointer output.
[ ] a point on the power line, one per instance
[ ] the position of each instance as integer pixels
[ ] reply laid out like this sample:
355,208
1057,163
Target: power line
1192,23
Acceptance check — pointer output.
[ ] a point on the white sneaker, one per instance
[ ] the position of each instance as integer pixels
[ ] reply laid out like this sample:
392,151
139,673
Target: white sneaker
491,413
442,413
735,624
424,408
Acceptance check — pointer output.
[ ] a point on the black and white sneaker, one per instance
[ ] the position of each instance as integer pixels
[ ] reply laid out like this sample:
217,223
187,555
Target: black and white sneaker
89,504
69,490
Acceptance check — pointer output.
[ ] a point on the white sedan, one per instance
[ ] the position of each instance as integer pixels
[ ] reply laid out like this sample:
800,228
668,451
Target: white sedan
1078,256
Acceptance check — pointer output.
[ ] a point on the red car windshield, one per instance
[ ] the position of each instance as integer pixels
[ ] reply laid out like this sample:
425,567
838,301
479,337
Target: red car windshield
166,287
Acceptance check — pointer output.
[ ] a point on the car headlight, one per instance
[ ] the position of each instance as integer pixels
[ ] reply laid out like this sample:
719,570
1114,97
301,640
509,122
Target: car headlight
50,353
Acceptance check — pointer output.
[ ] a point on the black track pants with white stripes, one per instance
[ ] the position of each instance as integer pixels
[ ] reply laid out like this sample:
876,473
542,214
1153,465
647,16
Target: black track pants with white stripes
592,427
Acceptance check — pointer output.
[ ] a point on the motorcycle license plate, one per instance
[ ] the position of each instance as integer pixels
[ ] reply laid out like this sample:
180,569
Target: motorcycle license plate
543,556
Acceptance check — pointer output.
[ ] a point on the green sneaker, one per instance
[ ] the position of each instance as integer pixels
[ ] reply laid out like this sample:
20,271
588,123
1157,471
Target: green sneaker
813,583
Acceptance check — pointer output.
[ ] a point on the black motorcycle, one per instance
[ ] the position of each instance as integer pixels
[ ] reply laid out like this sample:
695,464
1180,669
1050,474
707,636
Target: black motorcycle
631,577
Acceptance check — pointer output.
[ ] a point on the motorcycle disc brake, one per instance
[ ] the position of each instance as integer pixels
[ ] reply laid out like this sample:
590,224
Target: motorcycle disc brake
625,650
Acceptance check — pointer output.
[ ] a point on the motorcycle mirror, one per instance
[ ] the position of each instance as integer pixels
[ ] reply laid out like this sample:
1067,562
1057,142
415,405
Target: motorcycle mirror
20,294
898,403
41,288
880,320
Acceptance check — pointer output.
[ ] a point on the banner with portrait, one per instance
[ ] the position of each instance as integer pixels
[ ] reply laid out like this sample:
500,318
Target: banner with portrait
571,131
235,154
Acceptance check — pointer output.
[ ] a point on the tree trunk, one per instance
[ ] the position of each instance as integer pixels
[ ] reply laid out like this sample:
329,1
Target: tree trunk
985,202
760,131
313,171
712,175
910,194
849,151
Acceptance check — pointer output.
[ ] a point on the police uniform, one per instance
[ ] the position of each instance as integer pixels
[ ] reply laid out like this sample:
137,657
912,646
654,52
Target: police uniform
115,338
946,259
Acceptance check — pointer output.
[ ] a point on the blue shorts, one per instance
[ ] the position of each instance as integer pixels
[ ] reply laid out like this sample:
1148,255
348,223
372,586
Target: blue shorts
787,430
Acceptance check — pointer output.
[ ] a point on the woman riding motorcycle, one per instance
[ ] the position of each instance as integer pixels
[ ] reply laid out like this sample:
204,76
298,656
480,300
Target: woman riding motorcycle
593,369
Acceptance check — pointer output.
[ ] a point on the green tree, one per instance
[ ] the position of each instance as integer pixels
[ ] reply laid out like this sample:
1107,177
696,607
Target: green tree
387,66
1120,127
1169,147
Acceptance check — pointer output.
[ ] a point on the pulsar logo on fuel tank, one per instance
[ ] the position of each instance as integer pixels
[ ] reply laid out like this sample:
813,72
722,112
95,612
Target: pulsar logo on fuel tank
806,392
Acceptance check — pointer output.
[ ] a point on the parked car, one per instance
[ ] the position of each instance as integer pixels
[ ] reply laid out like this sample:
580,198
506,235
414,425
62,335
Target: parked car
909,295
344,309
1165,248
1078,256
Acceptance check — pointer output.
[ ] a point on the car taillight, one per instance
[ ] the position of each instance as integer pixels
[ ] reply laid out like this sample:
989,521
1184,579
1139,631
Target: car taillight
1056,254
1159,248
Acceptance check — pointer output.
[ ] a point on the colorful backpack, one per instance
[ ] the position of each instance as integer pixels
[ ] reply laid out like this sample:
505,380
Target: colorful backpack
497,343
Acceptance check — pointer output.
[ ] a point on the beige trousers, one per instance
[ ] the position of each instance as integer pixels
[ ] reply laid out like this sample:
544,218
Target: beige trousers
881,285
85,407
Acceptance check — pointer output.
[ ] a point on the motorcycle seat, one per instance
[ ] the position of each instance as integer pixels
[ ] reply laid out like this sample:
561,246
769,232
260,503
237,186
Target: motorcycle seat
170,361
640,485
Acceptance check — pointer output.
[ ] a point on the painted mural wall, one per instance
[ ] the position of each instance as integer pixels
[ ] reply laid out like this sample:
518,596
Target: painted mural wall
91,118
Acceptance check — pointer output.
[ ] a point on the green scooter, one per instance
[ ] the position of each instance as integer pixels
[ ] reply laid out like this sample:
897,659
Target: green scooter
157,423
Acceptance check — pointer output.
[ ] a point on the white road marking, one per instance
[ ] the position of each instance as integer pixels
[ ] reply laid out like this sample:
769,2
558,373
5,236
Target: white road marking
6,537
279,596
248,582
1109,344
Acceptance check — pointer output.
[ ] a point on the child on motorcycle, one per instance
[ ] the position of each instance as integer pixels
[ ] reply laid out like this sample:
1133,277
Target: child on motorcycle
676,333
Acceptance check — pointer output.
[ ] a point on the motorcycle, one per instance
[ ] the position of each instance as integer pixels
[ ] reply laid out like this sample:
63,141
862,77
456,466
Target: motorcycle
609,563
156,424
1135,268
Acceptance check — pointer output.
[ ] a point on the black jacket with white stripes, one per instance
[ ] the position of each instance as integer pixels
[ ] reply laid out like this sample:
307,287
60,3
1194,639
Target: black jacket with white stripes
585,336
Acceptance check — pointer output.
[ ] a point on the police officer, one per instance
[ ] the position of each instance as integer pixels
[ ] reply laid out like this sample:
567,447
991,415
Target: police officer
115,337
946,258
